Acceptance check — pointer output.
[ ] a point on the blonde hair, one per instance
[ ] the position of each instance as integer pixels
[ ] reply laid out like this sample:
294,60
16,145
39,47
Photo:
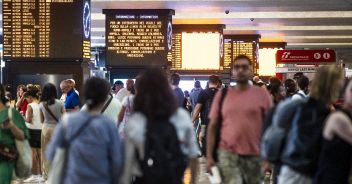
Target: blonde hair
326,84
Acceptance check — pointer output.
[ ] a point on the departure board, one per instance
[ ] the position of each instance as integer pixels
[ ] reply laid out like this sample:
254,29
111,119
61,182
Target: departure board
138,37
46,30
197,47
235,45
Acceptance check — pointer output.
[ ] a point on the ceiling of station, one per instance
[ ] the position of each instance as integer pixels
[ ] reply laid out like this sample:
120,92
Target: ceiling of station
300,23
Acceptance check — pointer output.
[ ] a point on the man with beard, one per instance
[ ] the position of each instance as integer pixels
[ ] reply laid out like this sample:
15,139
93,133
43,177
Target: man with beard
239,122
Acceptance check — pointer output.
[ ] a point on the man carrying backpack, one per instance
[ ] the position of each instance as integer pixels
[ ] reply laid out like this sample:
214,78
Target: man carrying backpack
203,106
236,124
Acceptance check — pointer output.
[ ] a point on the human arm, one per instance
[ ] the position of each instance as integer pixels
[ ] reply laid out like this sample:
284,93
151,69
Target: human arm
196,111
20,100
16,132
29,114
121,114
41,116
338,124
212,128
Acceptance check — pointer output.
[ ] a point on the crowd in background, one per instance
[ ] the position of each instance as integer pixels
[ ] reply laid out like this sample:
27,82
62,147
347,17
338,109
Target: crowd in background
151,130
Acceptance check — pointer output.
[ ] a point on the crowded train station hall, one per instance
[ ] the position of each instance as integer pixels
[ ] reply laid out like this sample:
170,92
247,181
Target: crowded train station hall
176,92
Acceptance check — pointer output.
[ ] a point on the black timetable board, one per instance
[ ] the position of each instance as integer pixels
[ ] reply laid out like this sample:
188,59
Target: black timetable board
235,45
138,37
46,30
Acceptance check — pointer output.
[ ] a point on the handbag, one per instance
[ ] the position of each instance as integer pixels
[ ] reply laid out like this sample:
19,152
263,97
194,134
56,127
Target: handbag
57,170
24,161
7,154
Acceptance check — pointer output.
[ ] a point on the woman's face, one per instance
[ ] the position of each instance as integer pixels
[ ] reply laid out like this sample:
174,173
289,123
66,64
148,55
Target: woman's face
29,99
20,91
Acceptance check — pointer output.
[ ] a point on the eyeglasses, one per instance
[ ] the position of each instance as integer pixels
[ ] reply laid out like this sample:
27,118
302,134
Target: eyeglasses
237,67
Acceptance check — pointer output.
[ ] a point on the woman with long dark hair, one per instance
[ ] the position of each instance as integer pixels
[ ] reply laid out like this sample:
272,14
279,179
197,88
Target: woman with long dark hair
51,110
159,135
9,131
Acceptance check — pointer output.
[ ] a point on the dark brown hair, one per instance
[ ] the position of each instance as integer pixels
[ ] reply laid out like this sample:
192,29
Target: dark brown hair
154,96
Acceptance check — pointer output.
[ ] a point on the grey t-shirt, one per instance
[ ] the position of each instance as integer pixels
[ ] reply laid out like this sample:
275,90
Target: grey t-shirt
180,97
55,108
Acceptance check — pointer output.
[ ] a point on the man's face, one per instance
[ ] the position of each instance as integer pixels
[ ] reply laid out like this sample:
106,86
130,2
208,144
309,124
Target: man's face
118,87
129,84
65,88
241,71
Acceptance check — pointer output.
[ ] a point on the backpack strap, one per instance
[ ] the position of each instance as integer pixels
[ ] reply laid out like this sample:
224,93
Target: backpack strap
106,104
219,120
46,106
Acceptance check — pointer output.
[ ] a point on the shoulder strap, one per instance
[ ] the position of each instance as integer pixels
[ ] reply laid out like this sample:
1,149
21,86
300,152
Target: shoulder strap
223,94
106,104
79,131
46,106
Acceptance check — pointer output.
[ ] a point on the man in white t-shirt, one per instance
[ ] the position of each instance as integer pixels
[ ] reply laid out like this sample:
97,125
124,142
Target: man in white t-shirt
125,91
303,84
112,110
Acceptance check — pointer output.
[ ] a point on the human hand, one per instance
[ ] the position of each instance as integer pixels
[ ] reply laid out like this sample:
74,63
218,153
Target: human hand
210,164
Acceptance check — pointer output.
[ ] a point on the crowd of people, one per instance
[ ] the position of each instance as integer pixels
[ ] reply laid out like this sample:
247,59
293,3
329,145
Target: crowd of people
150,131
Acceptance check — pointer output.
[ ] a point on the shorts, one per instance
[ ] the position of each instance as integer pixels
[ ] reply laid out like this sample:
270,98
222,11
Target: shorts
35,138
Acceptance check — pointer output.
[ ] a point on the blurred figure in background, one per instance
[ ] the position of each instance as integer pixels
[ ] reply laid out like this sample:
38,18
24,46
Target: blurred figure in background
335,161
301,151
127,108
159,135
122,93
204,102
118,85
194,93
51,110
291,87
72,99
35,131
95,153
303,84
180,96
10,130
21,103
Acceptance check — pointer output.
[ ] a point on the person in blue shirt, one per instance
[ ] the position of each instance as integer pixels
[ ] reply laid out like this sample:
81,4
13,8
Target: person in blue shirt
96,154
72,98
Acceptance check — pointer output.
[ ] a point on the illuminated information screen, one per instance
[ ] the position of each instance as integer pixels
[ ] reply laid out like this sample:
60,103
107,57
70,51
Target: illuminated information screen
235,47
195,51
45,30
138,37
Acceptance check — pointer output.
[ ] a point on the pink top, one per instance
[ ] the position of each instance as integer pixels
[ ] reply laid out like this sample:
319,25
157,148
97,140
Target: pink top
243,115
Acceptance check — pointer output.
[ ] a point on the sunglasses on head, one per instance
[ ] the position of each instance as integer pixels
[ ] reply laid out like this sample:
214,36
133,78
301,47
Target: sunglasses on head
237,67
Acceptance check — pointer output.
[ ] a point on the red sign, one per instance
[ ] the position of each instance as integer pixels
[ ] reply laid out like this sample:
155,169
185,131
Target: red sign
305,56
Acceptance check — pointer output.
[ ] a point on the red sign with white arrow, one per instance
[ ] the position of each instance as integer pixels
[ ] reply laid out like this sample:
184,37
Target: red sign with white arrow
305,56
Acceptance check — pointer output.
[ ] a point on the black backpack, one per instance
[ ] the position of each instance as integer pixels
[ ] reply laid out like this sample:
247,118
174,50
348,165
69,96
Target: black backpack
207,107
304,139
163,160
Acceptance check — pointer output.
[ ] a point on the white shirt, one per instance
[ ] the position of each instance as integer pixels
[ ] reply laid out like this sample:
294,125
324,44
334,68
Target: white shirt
135,138
122,94
112,110
301,95
36,123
